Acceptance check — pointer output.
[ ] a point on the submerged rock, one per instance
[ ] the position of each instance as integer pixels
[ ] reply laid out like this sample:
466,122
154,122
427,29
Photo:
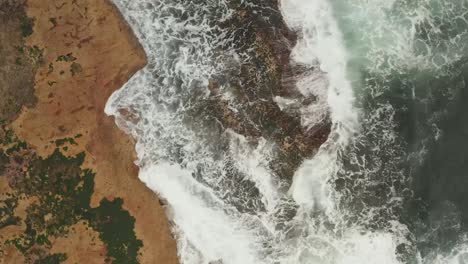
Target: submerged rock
251,109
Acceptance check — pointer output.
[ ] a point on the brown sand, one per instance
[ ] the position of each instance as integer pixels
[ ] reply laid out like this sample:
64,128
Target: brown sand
107,55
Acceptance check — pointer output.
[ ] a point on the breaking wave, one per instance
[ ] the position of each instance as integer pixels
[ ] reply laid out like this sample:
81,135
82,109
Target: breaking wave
389,73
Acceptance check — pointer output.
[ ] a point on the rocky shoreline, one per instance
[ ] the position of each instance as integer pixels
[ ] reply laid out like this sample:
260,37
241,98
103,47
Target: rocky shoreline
69,191
260,31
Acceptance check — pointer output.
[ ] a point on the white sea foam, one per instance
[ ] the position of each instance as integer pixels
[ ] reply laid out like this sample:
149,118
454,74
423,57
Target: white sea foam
187,163
321,45
170,151
199,216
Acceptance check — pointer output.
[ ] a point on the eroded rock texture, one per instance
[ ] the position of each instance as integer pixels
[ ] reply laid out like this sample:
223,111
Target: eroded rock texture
261,33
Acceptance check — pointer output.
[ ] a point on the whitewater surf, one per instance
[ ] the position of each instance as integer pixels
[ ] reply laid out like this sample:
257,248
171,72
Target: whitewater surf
388,76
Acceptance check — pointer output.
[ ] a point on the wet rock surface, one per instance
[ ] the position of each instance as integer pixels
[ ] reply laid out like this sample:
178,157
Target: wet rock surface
261,33
69,185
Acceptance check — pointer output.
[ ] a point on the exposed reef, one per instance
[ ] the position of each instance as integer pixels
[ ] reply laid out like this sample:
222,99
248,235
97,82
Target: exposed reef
260,32
69,190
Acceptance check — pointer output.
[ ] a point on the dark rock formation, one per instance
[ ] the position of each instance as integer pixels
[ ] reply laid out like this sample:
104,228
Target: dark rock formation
261,32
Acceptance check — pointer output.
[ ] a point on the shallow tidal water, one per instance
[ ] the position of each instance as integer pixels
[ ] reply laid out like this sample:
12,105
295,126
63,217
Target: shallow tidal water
390,185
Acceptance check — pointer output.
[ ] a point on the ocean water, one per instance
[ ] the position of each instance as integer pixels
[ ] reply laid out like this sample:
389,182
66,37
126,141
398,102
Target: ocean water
388,186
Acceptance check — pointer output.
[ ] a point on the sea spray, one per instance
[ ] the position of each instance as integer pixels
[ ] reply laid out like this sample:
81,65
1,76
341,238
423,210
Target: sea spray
158,96
200,218
321,46
364,62
182,159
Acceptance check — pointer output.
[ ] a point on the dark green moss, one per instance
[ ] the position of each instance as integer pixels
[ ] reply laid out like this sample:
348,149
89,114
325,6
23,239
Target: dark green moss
7,212
115,227
18,61
17,146
63,141
43,240
66,58
26,26
75,68
52,259
4,160
8,135
62,193
36,54
53,20
20,49
51,68
85,191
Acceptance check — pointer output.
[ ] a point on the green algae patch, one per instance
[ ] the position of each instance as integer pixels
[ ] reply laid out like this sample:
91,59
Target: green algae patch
52,259
63,141
26,26
59,191
53,21
115,227
36,55
7,212
66,58
75,68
